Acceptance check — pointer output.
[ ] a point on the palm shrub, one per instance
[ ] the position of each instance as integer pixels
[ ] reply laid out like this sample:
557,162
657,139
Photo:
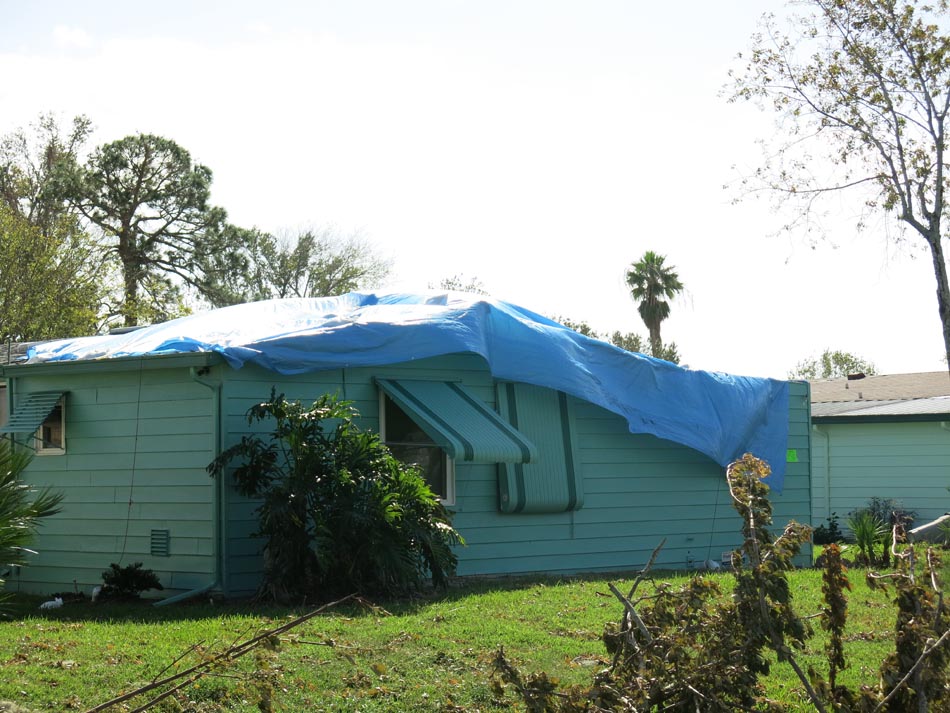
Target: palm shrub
337,510
868,531
21,508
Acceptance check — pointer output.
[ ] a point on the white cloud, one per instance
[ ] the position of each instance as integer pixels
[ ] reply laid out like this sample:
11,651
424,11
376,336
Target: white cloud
68,38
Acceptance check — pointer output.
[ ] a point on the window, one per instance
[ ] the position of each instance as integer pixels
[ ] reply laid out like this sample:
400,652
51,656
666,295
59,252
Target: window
410,444
50,438
40,420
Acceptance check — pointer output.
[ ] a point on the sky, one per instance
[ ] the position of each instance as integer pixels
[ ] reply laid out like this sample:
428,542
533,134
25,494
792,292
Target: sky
538,146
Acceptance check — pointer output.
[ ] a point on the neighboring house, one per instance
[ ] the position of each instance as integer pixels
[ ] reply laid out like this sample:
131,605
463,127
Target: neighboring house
555,452
881,436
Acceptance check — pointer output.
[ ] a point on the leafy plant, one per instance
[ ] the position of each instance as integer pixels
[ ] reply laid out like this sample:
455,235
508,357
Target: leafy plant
829,532
128,582
944,529
21,508
337,510
686,649
891,512
868,531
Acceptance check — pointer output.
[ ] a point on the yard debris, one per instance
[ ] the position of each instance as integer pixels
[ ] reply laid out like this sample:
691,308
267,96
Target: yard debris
208,664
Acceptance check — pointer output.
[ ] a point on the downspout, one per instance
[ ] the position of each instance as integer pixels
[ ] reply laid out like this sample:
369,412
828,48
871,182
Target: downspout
218,493
827,438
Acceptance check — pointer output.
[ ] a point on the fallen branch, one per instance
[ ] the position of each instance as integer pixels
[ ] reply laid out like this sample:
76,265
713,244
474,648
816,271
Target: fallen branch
632,613
195,672
929,525
913,670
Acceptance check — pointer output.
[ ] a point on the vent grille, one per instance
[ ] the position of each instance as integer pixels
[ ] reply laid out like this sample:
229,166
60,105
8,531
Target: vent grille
160,543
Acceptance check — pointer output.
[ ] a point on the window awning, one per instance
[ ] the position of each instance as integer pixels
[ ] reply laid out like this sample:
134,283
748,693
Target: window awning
459,422
31,411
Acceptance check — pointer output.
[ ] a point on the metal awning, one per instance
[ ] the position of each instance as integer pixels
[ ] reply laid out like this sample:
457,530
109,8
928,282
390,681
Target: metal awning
459,422
31,411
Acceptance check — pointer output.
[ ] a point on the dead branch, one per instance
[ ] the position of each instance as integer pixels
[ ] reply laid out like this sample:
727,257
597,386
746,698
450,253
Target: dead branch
631,613
642,574
913,670
929,525
234,651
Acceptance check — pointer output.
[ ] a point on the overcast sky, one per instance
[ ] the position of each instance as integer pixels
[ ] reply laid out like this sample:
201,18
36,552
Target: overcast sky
539,146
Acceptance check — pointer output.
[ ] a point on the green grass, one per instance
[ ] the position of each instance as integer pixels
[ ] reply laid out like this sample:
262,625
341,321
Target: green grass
427,654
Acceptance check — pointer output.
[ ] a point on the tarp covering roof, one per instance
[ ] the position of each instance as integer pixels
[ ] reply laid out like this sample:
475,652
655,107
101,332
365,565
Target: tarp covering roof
720,415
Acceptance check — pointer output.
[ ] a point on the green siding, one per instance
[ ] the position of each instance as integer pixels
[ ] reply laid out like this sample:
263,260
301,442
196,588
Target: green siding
143,436
638,489
151,433
904,461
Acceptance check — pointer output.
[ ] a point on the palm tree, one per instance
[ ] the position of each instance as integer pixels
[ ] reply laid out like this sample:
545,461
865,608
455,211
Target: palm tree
650,281
21,507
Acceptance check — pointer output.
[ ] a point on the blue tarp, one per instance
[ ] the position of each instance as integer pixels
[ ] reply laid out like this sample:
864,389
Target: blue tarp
717,414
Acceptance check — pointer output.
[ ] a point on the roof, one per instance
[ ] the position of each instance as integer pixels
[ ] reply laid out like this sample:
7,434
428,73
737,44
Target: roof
12,352
923,395
720,415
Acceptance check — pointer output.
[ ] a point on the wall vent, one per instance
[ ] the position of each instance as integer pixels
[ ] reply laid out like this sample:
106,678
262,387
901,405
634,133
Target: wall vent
160,543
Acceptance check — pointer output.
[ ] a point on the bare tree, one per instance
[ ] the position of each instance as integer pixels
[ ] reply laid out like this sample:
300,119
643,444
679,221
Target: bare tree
862,88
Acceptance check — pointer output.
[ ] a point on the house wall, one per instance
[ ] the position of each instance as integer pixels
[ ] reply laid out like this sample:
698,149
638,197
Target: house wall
638,489
137,443
854,462
147,434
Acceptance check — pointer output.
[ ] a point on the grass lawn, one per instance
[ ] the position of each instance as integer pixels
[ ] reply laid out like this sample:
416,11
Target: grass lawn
428,654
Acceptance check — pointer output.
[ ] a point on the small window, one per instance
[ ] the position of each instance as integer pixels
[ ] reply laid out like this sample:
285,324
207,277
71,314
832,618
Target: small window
410,444
51,436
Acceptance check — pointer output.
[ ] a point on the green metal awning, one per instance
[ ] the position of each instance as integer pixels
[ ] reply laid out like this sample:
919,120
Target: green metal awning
459,422
31,411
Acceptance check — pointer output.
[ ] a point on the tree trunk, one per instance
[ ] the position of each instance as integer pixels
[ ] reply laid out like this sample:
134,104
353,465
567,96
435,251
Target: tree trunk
130,283
943,287
656,345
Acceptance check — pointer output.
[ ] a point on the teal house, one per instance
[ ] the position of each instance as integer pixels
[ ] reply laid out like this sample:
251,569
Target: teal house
882,436
555,452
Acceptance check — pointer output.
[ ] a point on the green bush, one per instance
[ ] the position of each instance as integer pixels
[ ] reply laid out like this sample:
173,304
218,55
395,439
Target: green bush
338,511
868,532
128,582
829,533
891,512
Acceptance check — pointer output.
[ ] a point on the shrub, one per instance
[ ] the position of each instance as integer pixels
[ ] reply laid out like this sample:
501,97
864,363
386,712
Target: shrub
891,512
868,531
829,533
337,510
128,582
944,529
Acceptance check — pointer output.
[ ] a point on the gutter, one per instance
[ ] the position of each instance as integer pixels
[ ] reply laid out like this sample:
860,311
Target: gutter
218,526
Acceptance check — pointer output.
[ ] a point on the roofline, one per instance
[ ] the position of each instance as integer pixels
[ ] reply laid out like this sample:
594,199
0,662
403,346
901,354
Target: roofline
880,418
79,366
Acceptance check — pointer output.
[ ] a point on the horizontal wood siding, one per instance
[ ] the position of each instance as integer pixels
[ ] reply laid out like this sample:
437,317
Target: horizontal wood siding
907,462
137,444
638,489
795,501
